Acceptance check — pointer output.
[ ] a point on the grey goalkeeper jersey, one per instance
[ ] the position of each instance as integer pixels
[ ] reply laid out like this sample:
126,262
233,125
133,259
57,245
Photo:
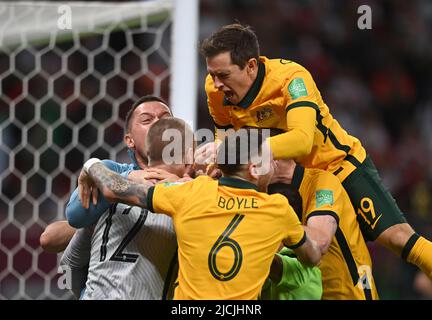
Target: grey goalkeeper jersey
131,250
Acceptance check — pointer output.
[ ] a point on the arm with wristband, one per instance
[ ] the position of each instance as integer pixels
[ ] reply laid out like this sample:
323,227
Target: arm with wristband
114,186
77,215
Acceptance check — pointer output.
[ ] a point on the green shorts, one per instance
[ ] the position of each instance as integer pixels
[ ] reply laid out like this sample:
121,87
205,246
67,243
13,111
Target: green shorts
375,207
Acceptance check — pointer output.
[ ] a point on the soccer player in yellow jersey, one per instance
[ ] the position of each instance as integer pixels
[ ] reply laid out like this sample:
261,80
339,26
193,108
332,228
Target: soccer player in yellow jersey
324,206
228,230
246,89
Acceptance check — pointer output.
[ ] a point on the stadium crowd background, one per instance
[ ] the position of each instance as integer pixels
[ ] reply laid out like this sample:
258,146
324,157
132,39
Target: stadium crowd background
376,82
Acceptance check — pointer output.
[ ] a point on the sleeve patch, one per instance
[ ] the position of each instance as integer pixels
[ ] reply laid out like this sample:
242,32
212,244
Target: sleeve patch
297,88
323,197
169,184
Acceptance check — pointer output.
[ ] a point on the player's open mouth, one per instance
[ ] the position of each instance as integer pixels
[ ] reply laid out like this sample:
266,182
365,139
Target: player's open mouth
229,94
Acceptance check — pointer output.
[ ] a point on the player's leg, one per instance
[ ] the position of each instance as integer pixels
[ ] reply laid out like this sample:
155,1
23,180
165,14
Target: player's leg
381,219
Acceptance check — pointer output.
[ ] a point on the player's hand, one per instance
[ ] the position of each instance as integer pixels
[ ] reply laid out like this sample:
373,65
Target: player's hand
86,189
153,175
213,172
137,176
210,170
206,154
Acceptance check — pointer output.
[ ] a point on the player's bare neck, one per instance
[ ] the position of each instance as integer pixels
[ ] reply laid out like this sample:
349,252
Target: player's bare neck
141,162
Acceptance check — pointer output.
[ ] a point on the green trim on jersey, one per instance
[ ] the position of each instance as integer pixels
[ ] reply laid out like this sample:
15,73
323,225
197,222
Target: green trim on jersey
150,199
237,183
350,262
253,91
323,213
326,132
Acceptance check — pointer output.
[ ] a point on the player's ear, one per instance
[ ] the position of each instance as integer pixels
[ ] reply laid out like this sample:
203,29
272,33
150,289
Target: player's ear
253,170
251,65
129,141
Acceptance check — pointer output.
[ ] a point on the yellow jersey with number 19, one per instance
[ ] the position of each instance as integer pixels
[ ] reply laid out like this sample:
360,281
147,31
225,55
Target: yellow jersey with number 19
227,234
347,266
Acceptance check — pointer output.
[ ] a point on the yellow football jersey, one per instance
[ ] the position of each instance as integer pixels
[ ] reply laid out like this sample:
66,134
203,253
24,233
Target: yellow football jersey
227,234
347,266
285,96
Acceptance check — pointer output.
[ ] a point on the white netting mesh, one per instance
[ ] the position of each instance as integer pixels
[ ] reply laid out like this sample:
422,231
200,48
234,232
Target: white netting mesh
63,99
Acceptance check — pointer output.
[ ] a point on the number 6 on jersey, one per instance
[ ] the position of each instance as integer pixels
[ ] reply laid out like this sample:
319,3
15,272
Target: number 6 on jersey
222,241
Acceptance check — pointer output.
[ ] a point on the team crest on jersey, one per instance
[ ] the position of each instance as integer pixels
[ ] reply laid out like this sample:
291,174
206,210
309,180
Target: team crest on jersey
264,114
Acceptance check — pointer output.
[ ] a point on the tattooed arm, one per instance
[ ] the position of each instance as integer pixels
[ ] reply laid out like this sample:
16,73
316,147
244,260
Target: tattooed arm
114,187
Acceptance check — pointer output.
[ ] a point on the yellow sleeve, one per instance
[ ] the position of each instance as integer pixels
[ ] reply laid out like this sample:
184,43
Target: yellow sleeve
298,139
301,95
325,197
295,235
168,197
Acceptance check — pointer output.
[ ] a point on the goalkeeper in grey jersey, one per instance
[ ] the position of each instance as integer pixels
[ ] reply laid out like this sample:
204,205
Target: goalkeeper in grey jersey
129,252
128,255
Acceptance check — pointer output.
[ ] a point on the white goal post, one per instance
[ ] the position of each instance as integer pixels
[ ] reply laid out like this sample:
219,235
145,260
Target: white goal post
65,88
24,22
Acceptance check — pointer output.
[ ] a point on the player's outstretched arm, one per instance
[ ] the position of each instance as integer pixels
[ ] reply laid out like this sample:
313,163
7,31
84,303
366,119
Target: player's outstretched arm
79,215
322,229
116,188
300,134
56,236
309,254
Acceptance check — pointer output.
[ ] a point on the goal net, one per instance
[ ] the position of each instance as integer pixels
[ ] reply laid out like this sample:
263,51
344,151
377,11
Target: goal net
69,72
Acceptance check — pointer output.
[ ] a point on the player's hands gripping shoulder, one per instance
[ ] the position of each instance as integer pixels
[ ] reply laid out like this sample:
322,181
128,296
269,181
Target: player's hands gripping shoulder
154,175
205,160
206,154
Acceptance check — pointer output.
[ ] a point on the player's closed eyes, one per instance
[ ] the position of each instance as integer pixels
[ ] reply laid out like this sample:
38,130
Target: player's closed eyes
222,76
165,115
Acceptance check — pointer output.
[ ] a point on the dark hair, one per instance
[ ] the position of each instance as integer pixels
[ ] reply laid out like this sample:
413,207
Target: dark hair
287,190
144,99
238,39
155,144
232,154
291,193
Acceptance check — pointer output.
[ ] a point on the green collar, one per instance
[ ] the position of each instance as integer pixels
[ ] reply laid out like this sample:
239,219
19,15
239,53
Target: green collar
253,91
237,183
297,176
